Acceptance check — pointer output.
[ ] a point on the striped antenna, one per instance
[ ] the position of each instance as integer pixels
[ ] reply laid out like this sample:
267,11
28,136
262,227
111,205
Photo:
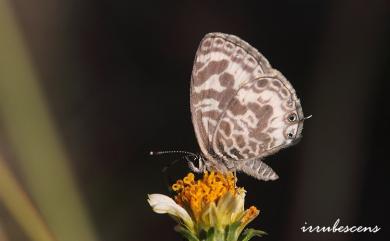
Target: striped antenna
155,153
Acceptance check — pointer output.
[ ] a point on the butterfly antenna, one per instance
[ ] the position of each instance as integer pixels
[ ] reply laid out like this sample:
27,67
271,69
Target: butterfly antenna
305,118
166,167
156,153
166,176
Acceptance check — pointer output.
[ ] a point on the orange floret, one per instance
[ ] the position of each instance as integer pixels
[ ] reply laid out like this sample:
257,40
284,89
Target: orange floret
198,193
250,214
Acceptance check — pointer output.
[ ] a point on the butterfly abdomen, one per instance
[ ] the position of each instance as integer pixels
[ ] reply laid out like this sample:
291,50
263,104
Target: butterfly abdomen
258,169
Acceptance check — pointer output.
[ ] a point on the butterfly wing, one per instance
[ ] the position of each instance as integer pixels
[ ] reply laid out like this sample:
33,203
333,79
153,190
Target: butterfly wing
223,64
264,116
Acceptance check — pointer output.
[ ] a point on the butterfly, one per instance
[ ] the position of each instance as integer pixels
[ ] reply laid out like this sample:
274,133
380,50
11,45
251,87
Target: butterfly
242,109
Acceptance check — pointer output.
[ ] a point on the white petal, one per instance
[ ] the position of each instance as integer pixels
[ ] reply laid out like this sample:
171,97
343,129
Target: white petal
164,204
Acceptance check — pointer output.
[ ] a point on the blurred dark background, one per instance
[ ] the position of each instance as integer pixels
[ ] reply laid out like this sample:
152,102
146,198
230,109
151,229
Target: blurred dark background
116,76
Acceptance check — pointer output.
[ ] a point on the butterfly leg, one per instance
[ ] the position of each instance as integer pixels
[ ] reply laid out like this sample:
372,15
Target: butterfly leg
235,178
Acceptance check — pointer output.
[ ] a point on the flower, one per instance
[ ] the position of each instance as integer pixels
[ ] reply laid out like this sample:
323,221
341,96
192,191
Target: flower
211,208
165,204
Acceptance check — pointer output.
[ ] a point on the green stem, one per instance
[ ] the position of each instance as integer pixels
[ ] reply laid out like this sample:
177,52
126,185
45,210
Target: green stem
20,206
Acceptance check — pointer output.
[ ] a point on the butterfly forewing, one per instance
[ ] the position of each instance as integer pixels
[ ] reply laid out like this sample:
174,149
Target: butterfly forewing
242,108
223,63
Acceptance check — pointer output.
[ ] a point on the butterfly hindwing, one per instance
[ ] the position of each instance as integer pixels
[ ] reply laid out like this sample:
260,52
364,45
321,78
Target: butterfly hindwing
262,118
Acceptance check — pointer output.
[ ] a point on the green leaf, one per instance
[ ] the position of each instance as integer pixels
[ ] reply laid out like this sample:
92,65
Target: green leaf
250,233
186,233
210,235
232,231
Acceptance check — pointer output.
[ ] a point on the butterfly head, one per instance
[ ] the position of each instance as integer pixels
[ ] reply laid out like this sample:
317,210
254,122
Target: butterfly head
206,164
202,164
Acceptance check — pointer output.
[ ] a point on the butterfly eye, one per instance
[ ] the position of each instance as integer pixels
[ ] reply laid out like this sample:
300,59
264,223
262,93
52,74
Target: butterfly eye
290,135
292,117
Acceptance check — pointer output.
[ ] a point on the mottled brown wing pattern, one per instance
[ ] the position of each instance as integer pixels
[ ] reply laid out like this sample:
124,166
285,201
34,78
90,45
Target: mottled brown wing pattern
263,117
223,63
242,109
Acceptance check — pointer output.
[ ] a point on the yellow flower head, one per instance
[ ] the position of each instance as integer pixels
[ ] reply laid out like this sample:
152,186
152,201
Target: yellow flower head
197,194
211,204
